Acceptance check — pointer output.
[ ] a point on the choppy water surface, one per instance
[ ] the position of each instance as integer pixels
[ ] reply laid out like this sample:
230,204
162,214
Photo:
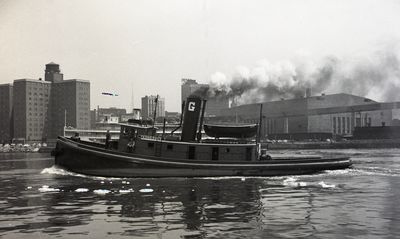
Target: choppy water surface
38,200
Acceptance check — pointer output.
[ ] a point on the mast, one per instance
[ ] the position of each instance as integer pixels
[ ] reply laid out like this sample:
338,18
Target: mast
155,110
258,138
201,121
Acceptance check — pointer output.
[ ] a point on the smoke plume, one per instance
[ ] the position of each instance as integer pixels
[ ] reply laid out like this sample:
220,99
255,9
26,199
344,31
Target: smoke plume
376,77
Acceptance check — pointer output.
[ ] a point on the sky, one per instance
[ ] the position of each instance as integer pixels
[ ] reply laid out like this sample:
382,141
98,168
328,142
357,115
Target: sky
145,47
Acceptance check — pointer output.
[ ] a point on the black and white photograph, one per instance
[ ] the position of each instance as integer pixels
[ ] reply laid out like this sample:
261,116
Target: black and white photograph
199,119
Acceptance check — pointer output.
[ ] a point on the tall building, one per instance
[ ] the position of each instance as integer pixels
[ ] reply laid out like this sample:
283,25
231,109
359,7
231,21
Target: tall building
40,109
70,105
31,106
148,106
6,120
214,105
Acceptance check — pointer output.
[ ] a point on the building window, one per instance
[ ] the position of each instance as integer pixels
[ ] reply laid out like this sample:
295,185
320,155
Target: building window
170,146
344,125
334,124
348,125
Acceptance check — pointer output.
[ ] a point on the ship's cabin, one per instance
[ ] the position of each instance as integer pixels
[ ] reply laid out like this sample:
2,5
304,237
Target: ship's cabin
141,140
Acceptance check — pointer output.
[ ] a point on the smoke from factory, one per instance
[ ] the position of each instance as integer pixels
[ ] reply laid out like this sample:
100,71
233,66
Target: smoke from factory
376,76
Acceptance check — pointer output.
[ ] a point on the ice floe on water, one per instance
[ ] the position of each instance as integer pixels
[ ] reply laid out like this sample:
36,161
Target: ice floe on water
46,188
126,190
81,190
101,191
146,190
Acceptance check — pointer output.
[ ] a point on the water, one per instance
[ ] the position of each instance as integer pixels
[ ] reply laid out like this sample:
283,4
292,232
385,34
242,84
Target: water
38,200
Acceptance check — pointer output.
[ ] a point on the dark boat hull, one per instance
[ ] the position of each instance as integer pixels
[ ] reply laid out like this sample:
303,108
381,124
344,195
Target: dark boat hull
91,160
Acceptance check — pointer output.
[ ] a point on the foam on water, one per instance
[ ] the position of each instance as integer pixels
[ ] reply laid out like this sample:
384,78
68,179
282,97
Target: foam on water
126,190
292,182
81,190
325,185
373,171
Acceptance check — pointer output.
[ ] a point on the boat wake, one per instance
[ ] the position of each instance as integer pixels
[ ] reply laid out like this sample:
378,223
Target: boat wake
55,170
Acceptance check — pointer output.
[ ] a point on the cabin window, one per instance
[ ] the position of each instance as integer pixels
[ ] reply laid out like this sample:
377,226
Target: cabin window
150,144
248,153
215,153
170,146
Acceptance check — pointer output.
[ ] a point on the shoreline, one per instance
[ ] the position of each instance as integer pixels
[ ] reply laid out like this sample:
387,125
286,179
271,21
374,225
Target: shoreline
356,144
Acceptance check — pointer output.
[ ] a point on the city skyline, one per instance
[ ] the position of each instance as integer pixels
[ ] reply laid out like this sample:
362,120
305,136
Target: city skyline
151,45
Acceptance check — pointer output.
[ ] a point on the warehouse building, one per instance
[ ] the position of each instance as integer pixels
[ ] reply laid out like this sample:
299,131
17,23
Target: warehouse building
321,117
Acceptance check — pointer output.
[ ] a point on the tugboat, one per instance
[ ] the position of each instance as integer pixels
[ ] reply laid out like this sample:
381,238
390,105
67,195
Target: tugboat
228,151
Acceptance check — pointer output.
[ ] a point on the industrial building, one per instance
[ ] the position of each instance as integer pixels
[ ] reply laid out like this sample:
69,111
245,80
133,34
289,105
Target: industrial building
320,117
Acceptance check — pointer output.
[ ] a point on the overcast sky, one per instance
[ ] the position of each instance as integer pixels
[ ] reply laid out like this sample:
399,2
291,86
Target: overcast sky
150,45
